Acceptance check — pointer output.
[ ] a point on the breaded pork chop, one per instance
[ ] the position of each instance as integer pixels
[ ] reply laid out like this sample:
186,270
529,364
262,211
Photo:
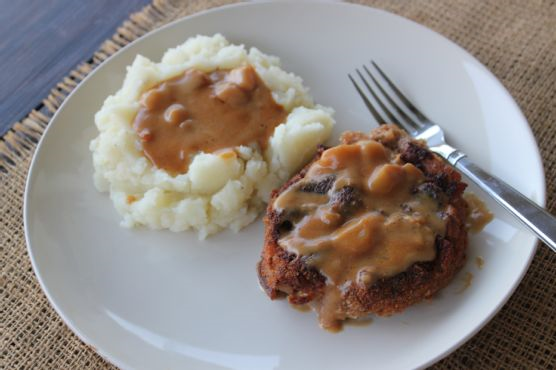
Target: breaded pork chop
296,275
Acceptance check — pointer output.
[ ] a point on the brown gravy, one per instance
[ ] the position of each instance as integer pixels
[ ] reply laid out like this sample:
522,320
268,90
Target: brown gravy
200,111
467,281
365,223
301,307
478,215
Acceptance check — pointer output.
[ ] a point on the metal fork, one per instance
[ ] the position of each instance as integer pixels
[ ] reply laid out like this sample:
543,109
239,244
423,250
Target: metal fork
416,123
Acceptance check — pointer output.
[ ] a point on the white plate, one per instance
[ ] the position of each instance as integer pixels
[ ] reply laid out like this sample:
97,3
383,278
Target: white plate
161,300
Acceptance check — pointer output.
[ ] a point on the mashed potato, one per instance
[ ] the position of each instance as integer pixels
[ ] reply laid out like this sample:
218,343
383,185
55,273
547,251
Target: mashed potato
218,191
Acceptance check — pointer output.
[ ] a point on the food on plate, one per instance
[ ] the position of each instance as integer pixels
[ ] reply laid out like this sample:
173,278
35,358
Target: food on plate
201,138
373,225
478,215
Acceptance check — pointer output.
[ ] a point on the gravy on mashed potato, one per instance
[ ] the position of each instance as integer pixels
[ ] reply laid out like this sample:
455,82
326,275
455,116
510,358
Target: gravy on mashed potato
181,145
205,112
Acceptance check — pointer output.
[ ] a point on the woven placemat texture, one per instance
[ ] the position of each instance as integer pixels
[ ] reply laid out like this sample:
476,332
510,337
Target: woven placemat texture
516,40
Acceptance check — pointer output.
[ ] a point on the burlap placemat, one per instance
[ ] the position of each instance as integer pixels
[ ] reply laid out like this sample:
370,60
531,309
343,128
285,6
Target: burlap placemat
515,39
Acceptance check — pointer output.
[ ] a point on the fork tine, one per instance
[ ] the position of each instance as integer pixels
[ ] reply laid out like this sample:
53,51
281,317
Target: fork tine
402,97
391,117
368,104
414,125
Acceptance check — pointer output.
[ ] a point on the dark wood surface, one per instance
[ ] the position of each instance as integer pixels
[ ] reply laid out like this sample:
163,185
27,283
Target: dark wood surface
42,40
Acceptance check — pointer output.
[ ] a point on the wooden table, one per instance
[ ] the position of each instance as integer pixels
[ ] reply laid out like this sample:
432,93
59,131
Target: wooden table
41,41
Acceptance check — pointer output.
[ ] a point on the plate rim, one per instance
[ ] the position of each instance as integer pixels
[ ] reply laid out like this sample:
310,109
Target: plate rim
31,172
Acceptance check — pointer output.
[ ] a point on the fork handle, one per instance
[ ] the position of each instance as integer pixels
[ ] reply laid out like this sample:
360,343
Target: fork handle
542,223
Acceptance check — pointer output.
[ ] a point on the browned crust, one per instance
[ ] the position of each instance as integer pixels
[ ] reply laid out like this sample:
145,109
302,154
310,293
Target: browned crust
281,272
